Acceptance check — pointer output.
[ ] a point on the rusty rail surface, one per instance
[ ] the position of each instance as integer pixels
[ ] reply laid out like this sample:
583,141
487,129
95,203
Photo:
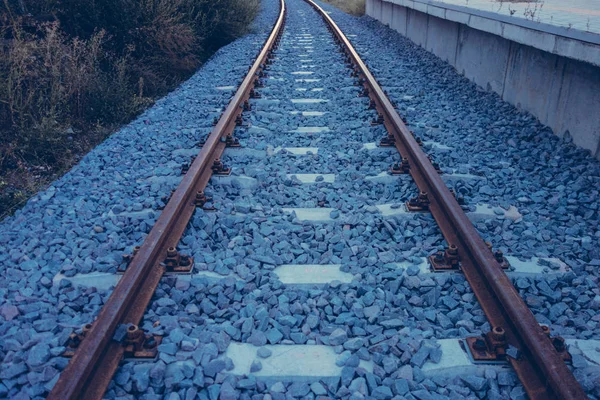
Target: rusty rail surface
93,365
542,372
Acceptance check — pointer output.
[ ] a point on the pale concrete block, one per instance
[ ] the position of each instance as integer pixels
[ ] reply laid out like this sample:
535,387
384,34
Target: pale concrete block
311,214
424,267
578,50
288,362
534,267
399,19
416,28
457,16
245,182
456,361
485,211
389,210
580,96
534,79
369,8
309,274
106,281
370,146
302,73
442,39
309,113
244,151
437,145
464,177
311,129
486,68
528,37
385,178
142,214
309,101
486,25
439,12
589,348
408,3
266,102
377,5
537,266
99,280
421,7
312,178
374,147
386,13
210,276
298,151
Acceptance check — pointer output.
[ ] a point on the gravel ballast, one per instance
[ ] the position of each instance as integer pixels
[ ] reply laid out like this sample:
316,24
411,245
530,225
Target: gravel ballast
389,316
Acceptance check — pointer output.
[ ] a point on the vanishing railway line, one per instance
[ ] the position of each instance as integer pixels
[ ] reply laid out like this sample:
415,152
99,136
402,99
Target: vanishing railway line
318,215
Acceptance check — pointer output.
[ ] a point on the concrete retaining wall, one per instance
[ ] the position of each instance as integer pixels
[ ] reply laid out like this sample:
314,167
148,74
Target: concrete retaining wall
550,72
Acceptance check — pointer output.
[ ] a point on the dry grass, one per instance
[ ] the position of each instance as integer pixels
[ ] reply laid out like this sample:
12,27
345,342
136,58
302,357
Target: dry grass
354,7
72,71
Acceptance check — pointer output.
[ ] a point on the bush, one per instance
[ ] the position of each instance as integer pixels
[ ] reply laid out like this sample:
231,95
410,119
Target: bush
72,70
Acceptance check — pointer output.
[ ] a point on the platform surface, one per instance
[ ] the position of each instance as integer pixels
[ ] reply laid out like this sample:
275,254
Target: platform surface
582,15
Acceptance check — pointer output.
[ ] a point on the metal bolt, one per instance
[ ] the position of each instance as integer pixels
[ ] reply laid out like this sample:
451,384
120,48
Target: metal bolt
185,261
171,252
499,256
559,344
480,345
545,329
150,343
230,141
439,256
452,249
498,334
85,329
405,165
200,199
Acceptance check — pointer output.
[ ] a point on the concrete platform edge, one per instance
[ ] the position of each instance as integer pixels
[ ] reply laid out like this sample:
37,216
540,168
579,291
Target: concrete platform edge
551,72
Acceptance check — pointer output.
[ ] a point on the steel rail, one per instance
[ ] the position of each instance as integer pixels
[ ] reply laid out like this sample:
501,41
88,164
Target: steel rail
542,372
96,359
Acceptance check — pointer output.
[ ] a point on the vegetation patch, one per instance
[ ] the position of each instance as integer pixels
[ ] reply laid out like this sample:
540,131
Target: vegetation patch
73,71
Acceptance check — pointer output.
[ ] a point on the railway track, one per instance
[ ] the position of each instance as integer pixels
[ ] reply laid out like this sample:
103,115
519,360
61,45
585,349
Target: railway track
322,194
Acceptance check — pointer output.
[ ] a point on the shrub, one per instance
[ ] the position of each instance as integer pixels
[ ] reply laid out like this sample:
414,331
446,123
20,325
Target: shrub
72,70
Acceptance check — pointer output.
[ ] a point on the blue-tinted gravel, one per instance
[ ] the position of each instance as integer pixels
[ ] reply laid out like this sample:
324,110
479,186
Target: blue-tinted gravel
80,226
76,226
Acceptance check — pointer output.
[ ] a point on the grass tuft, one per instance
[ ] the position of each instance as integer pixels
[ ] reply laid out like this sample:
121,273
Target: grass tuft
354,7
